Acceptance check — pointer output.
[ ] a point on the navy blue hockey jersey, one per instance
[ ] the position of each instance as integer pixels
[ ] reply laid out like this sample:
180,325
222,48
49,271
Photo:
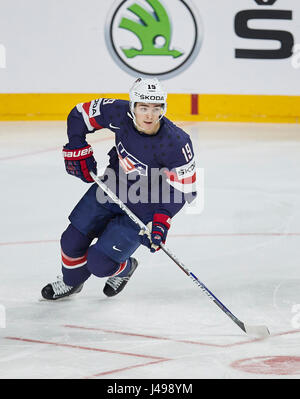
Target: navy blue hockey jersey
149,173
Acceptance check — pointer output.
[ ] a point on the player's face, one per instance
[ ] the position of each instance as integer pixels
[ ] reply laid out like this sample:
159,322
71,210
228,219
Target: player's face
147,117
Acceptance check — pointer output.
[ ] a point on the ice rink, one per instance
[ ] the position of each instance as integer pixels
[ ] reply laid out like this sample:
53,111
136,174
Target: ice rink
244,245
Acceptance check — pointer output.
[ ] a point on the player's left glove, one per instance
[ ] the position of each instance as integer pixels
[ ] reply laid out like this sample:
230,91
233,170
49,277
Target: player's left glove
79,161
158,230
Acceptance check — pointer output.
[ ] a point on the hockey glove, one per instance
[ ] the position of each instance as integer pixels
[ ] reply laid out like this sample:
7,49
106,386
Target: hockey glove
158,230
79,161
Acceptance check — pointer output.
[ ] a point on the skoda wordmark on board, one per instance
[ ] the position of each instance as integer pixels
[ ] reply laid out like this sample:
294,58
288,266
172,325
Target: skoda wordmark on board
153,37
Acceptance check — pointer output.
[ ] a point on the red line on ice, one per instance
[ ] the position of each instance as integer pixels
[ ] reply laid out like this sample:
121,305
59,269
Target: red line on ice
36,341
126,368
141,335
27,242
180,340
156,359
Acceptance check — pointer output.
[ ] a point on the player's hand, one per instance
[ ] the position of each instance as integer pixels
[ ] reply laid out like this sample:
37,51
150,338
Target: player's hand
158,230
79,161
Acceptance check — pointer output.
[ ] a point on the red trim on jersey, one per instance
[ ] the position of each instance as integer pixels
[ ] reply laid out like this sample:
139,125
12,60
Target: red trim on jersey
126,164
173,177
86,107
93,122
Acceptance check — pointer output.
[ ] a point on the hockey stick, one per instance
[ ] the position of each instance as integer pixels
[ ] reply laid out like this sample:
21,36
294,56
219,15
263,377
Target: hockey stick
256,330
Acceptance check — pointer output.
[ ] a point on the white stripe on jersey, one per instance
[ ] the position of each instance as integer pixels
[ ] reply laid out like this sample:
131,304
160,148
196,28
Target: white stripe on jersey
187,170
85,116
184,172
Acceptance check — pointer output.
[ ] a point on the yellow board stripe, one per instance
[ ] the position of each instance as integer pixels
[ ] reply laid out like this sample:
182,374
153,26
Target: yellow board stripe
181,107
248,108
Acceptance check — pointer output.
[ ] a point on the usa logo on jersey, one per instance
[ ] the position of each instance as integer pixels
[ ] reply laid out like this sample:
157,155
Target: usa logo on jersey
129,163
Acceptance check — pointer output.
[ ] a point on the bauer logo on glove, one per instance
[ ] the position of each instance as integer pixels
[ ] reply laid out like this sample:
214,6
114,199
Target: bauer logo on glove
79,161
78,154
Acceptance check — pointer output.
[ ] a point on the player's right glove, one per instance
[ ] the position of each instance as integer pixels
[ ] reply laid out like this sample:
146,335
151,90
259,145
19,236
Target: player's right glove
79,161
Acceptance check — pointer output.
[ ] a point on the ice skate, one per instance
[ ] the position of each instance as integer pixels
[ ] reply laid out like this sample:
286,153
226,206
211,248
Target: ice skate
58,289
114,285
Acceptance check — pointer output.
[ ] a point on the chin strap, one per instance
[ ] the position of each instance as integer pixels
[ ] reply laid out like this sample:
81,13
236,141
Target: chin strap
134,121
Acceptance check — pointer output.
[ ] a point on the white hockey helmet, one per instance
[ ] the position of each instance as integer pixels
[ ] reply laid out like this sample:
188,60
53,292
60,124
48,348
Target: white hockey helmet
147,91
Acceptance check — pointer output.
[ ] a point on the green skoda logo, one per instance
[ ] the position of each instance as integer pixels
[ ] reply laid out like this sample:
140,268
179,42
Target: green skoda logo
153,37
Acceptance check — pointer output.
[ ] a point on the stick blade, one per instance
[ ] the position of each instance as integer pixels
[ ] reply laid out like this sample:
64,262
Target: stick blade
257,331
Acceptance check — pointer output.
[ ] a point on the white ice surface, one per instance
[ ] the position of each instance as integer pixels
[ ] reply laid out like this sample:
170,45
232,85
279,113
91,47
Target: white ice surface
244,246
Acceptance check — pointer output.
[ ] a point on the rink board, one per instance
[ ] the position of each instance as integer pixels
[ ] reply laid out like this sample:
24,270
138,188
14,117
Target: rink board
181,107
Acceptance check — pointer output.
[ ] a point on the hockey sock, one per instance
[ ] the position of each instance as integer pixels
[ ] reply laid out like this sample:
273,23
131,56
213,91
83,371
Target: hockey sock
74,246
74,270
123,269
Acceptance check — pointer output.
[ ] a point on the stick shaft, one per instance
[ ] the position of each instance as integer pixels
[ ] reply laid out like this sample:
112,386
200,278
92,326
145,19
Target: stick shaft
136,220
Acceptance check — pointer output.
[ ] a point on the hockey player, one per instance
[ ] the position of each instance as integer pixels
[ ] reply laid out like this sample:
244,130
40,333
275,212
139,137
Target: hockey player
152,170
